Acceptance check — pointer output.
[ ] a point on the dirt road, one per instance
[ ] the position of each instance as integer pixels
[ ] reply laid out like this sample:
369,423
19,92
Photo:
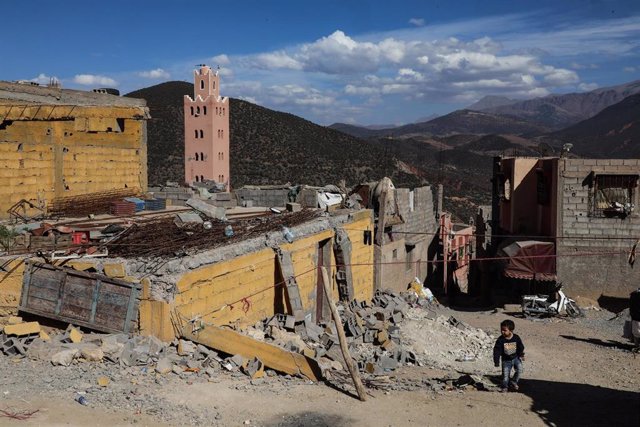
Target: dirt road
577,373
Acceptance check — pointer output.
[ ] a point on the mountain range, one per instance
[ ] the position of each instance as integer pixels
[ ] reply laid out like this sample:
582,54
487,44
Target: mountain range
271,147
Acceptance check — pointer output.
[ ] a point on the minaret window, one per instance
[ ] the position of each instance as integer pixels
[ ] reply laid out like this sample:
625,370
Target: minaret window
201,178
197,157
196,133
197,111
201,84
201,133
204,110
192,110
202,156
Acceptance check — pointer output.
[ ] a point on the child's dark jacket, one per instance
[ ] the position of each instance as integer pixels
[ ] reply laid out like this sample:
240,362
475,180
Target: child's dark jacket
507,349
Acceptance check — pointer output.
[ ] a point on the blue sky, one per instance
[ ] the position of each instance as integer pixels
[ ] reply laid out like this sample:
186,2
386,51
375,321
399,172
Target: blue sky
364,62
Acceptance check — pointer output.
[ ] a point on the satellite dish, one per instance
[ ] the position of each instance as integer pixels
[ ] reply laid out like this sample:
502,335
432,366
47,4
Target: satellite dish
567,147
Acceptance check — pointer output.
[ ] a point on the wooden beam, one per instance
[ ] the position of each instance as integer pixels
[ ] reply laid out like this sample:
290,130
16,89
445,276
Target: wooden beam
353,370
274,357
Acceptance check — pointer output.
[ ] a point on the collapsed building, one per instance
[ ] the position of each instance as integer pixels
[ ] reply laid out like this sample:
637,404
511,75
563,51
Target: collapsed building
57,143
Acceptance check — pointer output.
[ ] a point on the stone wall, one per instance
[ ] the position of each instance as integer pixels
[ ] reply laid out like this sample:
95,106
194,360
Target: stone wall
593,252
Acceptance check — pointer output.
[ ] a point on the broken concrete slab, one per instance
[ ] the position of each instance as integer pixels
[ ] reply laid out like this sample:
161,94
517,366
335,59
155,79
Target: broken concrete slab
232,342
164,365
186,348
92,353
65,357
214,212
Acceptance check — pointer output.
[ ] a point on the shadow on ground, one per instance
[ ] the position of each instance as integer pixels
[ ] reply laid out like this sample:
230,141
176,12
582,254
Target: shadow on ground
602,343
613,304
309,419
567,404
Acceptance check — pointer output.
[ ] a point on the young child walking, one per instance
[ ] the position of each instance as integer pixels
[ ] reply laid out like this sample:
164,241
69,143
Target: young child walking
510,350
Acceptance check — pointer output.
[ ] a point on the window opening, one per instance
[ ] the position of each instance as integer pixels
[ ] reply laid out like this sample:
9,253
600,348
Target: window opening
614,195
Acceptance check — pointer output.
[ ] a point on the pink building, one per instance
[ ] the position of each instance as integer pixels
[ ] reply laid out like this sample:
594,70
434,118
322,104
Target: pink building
206,131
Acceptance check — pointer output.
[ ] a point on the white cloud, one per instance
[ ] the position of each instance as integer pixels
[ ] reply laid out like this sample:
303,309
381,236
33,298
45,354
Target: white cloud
158,73
276,60
344,75
629,69
43,79
360,90
561,77
588,87
418,22
220,60
91,79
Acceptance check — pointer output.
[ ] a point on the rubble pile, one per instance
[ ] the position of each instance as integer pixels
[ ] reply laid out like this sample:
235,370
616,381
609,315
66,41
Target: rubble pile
443,342
372,331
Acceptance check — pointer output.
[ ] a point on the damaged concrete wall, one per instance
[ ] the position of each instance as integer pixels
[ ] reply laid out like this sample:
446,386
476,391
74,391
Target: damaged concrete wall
608,274
49,151
399,261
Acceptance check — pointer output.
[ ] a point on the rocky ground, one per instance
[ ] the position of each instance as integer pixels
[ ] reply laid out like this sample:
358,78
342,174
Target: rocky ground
578,372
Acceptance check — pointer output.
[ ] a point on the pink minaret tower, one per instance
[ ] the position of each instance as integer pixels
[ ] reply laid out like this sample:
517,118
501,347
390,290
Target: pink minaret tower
206,131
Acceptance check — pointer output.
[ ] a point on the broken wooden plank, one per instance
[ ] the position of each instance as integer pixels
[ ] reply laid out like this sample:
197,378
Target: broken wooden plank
274,357
353,370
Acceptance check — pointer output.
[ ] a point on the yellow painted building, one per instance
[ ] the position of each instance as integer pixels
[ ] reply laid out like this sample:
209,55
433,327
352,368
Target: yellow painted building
248,288
58,143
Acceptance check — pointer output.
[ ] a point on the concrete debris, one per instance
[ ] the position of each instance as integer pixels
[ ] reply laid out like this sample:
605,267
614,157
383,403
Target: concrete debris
64,357
164,365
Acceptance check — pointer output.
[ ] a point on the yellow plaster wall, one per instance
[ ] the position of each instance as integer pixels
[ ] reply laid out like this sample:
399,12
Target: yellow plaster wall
215,292
10,285
362,269
43,159
220,293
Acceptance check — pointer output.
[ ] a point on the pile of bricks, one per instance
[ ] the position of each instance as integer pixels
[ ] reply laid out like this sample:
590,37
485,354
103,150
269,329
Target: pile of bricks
372,330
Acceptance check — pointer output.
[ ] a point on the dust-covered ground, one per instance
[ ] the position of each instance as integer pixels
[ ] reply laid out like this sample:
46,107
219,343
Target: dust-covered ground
577,372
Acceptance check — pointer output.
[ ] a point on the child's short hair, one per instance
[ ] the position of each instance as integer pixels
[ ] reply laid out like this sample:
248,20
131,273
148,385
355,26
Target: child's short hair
509,324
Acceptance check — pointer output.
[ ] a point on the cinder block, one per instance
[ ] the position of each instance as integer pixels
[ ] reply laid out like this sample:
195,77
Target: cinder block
146,288
14,320
81,265
114,270
75,335
22,329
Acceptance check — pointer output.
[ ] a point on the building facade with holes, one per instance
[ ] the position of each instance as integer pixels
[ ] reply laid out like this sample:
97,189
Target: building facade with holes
588,207
206,131
57,142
